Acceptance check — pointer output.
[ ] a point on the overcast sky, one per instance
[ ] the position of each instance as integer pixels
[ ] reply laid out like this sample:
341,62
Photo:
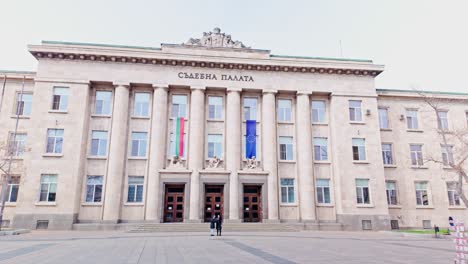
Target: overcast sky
422,43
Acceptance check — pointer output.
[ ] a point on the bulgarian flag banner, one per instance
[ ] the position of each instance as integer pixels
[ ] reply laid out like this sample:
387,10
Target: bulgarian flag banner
179,137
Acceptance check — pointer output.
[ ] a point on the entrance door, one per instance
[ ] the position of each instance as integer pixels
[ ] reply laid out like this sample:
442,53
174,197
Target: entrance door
174,203
214,201
252,203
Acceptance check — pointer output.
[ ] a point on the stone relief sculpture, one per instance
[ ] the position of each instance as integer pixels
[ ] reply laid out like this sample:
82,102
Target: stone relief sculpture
252,163
176,162
215,39
214,162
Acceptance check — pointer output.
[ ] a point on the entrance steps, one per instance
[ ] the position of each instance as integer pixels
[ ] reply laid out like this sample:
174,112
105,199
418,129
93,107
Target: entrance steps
204,227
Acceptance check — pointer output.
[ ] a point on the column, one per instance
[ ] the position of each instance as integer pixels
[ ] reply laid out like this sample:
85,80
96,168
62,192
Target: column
117,155
196,149
233,149
304,158
270,156
157,152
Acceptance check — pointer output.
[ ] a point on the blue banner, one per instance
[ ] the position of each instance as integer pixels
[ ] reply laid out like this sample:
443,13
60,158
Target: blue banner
251,139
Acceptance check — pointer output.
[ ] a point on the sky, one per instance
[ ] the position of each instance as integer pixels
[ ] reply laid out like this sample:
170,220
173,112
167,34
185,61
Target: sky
422,43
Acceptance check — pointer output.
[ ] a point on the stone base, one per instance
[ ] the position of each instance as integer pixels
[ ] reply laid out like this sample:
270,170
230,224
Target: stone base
354,222
193,221
271,221
56,221
234,221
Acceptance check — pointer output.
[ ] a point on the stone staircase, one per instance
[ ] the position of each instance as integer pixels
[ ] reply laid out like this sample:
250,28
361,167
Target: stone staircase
204,227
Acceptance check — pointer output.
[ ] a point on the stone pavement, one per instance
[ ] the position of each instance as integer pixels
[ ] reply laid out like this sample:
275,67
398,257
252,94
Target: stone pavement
294,247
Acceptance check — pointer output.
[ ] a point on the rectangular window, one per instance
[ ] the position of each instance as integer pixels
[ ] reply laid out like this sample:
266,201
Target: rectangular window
99,143
48,188
359,149
323,191
287,191
13,189
172,146
422,195
94,189
139,143
412,119
60,99
215,146
387,154
23,104
442,120
179,106
286,148
318,111
141,105
102,105
447,155
250,108
355,110
17,144
135,189
215,107
284,110
320,148
54,140
391,193
454,198
362,191
383,118
416,155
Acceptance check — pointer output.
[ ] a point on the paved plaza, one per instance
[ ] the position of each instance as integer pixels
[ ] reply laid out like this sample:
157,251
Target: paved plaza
281,247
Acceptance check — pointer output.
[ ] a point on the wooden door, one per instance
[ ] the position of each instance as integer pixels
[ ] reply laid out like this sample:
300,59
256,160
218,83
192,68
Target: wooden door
214,201
252,208
174,203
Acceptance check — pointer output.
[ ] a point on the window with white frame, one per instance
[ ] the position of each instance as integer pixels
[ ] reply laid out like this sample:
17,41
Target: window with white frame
383,118
141,105
412,119
48,188
215,107
318,111
320,148
102,106
287,191
416,155
215,145
284,110
135,189
98,143
93,189
355,110
179,106
359,149
387,153
60,98
139,143
286,148
250,108
447,154
54,140
422,194
172,146
23,104
453,196
391,193
442,120
323,191
17,144
362,191
13,189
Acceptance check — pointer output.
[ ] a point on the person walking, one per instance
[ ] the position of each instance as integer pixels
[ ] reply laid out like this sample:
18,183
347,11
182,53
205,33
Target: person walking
212,225
219,225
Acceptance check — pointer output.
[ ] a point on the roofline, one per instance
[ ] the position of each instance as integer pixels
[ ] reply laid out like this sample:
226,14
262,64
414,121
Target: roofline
53,42
420,91
320,58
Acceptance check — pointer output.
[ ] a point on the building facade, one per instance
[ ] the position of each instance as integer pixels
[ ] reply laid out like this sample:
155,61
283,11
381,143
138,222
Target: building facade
117,134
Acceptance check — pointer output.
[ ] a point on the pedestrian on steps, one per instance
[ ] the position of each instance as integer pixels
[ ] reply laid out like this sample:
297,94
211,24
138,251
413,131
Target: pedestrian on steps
219,225
212,225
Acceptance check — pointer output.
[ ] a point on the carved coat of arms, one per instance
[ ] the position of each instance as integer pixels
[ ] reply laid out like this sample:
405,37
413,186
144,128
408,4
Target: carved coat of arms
215,39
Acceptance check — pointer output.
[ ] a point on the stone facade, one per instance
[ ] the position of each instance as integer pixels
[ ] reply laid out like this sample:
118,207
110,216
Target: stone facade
130,174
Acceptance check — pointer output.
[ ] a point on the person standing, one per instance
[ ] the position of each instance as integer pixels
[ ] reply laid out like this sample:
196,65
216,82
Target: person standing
219,225
212,225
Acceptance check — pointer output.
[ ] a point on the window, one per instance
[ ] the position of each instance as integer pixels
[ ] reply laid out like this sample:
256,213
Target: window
416,155
250,108
60,98
442,120
422,196
362,191
135,189
23,104
172,151
179,105
286,148
215,107
215,146
387,154
454,198
284,110
412,119
13,188
17,144
359,149
355,110
54,140
48,188
391,193
318,111
287,190
447,155
320,149
99,143
139,142
323,191
103,103
141,104
383,118
94,189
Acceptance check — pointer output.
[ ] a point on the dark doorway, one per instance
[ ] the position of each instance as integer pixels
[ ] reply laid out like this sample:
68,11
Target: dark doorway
214,201
252,208
174,203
